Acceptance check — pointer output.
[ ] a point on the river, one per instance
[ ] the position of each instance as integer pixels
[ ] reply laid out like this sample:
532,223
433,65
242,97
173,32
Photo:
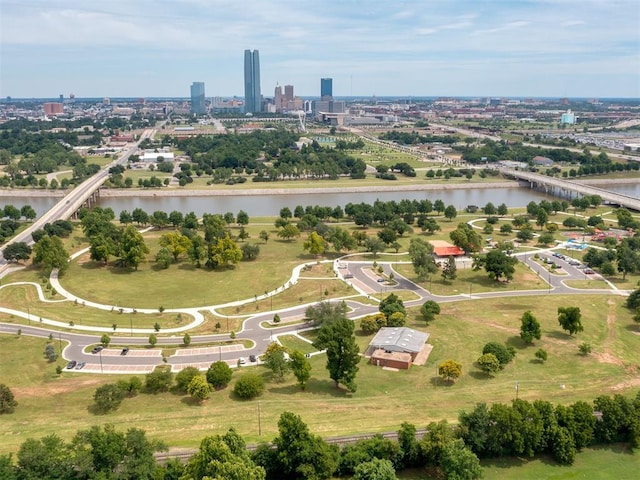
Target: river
270,205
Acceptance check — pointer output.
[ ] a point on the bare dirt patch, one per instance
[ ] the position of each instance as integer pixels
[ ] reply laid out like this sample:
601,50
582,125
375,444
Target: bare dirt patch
62,386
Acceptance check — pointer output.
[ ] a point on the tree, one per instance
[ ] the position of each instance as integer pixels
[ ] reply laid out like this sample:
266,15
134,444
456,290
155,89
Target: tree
288,232
264,236
449,269
250,251
450,370
502,209
153,339
390,305
315,244
108,397
242,218
458,462
160,380
17,251
429,310
224,252
219,374
49,457
375,469
450,212
372,323
465,237
506,228
421,254
438,206
177,243
497,264
374,245
542,218
50,352
300,454
541,354
184,377
50,253
489,209
569,319
301,368
198,388
488,363
633,300
276,361
222,457
325,312
529,327
249,386
342,351
8,402
503,353
132,247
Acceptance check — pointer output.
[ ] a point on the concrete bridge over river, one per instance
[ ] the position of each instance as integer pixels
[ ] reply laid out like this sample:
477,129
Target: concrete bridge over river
569,188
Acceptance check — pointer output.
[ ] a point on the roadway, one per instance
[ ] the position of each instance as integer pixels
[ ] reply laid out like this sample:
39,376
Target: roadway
73,200
258,330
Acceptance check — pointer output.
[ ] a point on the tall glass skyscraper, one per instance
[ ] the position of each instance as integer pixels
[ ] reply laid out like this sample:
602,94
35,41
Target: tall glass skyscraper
326,88
252,96
197,98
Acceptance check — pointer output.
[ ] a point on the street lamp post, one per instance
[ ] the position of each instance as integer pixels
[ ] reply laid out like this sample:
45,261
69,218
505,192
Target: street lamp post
101,370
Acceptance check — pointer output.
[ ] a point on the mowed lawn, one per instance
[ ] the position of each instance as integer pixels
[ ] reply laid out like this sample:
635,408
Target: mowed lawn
182,284
384,399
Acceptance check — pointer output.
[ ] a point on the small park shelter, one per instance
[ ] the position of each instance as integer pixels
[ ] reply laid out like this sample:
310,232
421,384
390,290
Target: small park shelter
396,347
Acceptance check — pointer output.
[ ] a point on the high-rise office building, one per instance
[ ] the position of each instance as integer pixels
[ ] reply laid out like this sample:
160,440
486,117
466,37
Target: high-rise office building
197,98
288,93
326,88
252,96
277,98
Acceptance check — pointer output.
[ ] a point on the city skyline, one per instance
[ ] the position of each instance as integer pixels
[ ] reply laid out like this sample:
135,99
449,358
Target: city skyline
559,48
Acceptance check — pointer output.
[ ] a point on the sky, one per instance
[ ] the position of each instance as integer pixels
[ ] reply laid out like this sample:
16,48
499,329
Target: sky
157,48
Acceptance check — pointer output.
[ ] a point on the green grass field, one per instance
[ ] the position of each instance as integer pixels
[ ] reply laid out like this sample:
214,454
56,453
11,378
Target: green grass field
384,399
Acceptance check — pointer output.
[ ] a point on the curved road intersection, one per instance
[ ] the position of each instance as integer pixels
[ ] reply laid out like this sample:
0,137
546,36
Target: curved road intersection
256,329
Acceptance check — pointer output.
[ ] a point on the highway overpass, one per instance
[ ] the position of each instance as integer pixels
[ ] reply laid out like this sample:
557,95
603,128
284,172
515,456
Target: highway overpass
75,199
571,188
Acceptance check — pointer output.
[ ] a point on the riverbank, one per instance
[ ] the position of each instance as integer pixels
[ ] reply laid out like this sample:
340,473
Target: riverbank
289,189
181,192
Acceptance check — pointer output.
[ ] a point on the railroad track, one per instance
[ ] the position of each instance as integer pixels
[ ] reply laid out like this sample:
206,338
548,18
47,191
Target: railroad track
185,455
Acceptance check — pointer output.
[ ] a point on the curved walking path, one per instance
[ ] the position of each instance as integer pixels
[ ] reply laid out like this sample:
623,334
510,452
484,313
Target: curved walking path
355,273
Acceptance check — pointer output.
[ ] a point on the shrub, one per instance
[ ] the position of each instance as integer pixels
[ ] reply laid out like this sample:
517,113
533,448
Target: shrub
541,354
503,353
585,348
108,397
249,386
219,374
159,380
7,400
184,377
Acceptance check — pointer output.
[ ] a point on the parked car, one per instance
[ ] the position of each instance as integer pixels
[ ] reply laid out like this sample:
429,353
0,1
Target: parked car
380,280
71,364
80,365
253,358
589,271
124,351
242,361
97,349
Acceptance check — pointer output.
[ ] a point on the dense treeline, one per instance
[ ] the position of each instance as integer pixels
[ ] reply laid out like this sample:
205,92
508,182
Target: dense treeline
267,156
414,138
112,123
521,429
492,151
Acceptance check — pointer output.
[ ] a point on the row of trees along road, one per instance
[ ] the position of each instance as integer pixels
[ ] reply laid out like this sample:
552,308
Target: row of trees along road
522,429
